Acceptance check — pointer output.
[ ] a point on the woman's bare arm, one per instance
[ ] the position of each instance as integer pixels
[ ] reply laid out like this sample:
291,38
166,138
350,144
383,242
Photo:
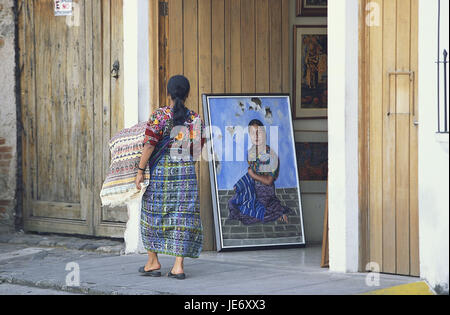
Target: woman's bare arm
146,154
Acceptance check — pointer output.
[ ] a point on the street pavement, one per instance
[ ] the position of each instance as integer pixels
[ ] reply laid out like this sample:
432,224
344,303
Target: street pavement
25,267
11,289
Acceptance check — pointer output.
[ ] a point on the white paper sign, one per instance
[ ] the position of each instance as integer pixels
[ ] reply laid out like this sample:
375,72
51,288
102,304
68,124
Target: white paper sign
63,7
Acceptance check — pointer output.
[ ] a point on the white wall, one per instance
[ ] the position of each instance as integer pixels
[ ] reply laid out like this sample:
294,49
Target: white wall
343,25
136,62
433,153
143,61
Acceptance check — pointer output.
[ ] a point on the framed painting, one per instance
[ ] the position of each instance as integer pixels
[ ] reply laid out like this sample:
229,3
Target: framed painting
253,169
312,7
310,72
312,159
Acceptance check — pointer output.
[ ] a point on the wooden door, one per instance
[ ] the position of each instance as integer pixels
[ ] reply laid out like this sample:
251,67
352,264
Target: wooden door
227,46
70,108
391,65
108,109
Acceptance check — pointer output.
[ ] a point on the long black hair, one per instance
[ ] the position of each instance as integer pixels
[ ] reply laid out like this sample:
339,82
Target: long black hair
178,88
256,122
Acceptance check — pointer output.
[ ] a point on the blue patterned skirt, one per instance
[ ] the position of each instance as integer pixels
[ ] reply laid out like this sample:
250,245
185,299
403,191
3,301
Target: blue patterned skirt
170,215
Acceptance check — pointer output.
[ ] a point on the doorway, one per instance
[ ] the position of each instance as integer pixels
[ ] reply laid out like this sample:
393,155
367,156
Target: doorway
389,131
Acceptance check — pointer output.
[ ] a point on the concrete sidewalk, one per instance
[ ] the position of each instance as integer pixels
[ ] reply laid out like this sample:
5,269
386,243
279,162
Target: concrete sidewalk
272,272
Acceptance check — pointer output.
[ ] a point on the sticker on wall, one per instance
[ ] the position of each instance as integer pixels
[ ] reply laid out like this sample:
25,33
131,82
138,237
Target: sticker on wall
63,7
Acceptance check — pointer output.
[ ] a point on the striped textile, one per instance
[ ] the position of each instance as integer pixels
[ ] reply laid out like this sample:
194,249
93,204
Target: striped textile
245,199
170,213
126,149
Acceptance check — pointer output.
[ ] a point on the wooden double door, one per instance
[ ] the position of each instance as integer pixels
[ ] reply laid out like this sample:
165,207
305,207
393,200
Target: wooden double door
71,105
391,122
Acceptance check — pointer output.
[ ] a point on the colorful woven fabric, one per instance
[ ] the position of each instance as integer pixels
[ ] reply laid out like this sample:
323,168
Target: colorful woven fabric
265,163
266,196
189,136
126,150
245,198
170,212
246,206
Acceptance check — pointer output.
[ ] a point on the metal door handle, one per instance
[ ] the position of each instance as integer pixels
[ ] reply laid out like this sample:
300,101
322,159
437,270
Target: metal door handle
116,69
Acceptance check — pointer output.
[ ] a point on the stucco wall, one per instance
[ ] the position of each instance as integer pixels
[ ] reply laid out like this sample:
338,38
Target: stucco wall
433,152
343,24
7,117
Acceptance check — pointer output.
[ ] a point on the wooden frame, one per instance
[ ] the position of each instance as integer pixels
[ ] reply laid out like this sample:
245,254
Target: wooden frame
153,39
325,238
306,113
363,139
302,10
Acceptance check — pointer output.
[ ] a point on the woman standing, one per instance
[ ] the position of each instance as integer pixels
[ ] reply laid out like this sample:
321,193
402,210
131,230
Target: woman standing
170,215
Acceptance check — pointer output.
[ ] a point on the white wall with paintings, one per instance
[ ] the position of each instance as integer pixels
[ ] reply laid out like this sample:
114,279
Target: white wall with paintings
310,131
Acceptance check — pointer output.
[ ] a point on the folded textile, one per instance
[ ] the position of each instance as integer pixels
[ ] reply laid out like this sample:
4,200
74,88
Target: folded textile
245,199
126,150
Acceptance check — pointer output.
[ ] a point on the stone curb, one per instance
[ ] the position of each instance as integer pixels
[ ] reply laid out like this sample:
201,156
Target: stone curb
83,290
105,246
55,286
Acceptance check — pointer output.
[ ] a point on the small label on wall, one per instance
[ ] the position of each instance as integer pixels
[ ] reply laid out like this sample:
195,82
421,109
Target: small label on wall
63,7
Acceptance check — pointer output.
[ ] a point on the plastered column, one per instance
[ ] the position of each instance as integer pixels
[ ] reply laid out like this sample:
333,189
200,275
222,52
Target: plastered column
343,28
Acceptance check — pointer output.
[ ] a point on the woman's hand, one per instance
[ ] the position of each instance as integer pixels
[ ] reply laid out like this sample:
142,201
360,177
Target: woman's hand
139,180
266,180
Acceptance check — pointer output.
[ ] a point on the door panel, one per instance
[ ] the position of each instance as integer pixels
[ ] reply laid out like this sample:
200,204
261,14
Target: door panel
71,107
110,221
393,146
56,80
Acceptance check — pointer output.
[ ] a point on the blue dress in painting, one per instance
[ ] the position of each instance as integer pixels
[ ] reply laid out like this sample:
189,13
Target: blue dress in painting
266,207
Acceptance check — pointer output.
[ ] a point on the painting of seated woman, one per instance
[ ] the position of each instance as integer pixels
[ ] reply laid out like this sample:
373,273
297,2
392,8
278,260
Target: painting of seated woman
253,169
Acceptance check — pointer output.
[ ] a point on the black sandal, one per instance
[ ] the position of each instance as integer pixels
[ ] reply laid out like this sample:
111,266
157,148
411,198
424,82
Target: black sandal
180,276
150,273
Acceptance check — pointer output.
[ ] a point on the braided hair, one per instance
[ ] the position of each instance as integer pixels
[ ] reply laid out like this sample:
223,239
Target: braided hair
178,88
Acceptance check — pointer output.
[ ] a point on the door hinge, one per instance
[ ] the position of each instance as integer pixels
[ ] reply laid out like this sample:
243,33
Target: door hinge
163,8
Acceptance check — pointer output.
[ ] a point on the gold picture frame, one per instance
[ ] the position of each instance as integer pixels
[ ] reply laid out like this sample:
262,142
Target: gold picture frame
312,8
310,79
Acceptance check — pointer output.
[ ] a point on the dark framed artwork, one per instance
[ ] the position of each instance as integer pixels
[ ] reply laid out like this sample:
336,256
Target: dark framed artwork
310,72
312,159
312,7
253,170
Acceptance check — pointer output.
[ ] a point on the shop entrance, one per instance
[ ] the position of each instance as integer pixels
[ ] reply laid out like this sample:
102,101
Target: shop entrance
389,121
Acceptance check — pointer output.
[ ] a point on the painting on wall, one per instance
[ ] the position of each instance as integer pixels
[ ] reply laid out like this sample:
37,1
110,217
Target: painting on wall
310,72
253,170
312,159
312,7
